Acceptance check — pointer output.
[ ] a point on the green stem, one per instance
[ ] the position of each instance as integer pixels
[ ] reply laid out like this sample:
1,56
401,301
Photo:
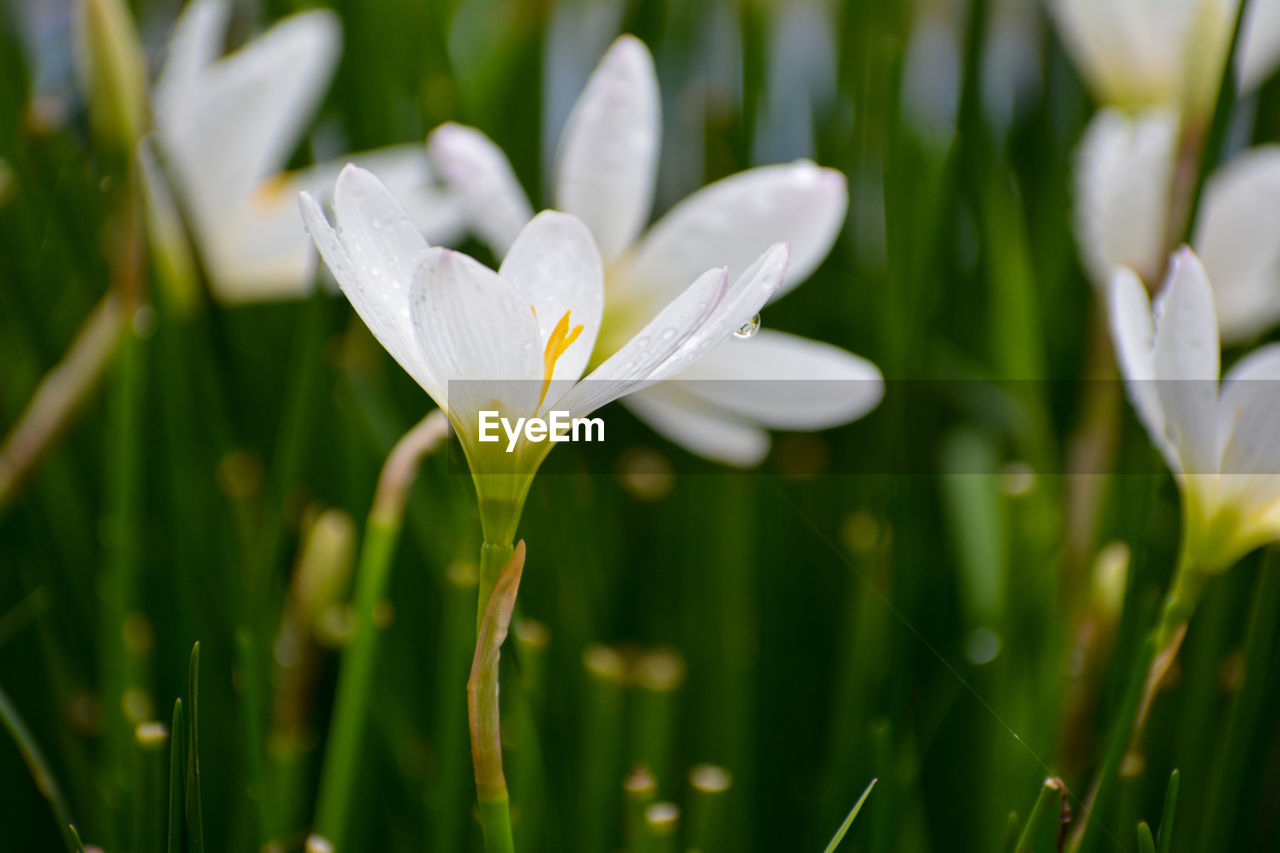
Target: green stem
493,559
1117,745
34,759
351,704
482,704
449,793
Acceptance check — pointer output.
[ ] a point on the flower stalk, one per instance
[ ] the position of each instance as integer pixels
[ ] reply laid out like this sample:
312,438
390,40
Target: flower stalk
482,704
351,703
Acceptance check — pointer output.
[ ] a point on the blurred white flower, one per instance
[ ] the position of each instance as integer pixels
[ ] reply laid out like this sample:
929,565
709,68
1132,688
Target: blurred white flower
605,175
225,127
1166,52
1223,445
517,340
1125,184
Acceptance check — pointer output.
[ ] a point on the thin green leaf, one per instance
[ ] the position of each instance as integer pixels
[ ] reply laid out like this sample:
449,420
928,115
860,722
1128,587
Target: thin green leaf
1165,833
848,821
1146,844
195,821
1044,824
34,758
177,779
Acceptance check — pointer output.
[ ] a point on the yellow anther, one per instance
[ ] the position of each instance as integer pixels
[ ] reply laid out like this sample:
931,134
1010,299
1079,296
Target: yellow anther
557,342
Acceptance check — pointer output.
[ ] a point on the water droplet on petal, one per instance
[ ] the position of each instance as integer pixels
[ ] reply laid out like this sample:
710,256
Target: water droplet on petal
748,329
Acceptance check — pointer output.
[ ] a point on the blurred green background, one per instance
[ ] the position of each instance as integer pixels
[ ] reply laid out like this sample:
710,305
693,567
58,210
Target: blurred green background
918,623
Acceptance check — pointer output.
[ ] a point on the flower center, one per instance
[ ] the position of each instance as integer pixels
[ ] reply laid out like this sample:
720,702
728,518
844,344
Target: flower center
557,342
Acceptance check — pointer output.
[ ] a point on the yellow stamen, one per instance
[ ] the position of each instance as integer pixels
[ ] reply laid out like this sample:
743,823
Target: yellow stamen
557,342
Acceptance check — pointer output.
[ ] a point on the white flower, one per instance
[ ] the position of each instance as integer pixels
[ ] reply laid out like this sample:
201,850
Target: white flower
1166,52
1124,182
516,340
605,175
1223,445
225,127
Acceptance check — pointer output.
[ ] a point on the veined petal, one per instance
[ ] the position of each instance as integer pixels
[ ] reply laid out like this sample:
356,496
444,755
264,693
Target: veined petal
555,268
705,431
1187,363
407,174
481,177
1134,336
731,221
377,232
741,303
784,382
1235,239
633,364
196,42
608,158
384,309
1124,175
477,334
245,113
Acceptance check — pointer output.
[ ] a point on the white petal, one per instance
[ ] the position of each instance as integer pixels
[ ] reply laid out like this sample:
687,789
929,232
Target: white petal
262,252
244,114
1134,336
196,42
1249,418
383,308
632,365
706,432
1261,43
380,238
608,156
729,223
740,305
1236,240
1130,51
1249,381
407,173
554,267
785,382
164,220
1124,175
477,335
1186,363
481,177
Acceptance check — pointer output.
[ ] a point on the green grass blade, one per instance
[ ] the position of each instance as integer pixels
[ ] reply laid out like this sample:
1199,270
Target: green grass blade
1146,844
34,758
1044,824
195,821
75,835
1165,833
849,819
177,779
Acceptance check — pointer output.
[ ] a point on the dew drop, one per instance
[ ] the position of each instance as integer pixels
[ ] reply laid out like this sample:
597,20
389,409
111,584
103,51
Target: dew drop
748,329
